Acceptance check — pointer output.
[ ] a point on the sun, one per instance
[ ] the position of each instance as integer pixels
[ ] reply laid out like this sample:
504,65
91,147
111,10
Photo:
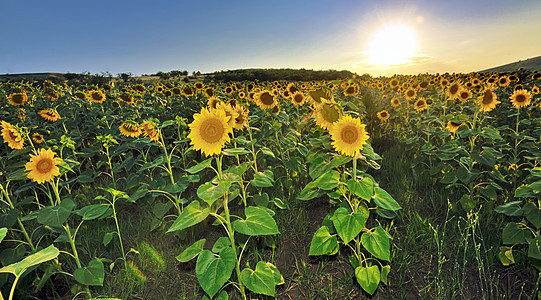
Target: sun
392,45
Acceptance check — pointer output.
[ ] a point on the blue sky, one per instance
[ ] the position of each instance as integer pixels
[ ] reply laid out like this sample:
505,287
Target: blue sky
144,37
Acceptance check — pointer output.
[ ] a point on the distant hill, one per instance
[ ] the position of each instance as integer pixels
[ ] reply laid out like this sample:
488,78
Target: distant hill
531,64
33,76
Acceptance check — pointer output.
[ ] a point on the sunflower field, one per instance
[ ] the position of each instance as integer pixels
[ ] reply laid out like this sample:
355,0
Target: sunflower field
424,186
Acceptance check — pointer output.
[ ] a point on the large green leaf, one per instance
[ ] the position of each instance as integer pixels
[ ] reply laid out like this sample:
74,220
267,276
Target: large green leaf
263,179
260,280
93,274
35,259
213,271
258,222
533,214
363,188
348,224
192,251
200,166
506,255
384,200
235,151
191,215
210,192
328,181
323,242
91,212
377,243
368,278
511,209
55,216
513,234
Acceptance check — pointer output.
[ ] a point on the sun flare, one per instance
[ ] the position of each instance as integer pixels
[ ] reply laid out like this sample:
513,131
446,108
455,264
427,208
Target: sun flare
392,45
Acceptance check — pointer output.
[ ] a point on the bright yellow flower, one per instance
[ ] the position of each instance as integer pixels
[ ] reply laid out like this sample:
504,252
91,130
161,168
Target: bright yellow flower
348,135
43,166
209,131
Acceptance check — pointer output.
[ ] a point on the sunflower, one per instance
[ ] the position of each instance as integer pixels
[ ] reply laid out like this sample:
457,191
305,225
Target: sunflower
453,126
198,86
535,90
187,91
504,81
395,102
38,138
291,88
394,83
229,90
49,92
410,94
79,95
209,92
420,104
212,102
176,91
383,115
43,166
150,131
241,120
488,100
318,93
454,90
521,98
348,135
265,99
49,115
464,95
126,98
139,88
352,90
276,110
96,96
209,131
12,136
17,99
230,112
130,129
327,113
297,98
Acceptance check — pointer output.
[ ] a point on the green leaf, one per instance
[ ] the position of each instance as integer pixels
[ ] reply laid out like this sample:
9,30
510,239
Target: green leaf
384,200
261,200
309,192
468,203
384,273
328,181
340,160
279,203
91,212
235,151
511,209
192,251
267,151
278,278
210,192
524,191
221,242
200,166
191,215
506,255
107,238
91,275
55,216
534,249
348,224
533,214
368,278
323,242
35,259
258,222
363,188
377,243
260,281
3,232
213,271
263,179
513,234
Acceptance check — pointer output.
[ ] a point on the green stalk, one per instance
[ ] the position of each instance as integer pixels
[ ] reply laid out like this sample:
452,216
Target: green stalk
231,231
118,231
75,254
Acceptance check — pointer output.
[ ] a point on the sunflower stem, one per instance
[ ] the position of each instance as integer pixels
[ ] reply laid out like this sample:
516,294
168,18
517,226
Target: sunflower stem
25,233
75,254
